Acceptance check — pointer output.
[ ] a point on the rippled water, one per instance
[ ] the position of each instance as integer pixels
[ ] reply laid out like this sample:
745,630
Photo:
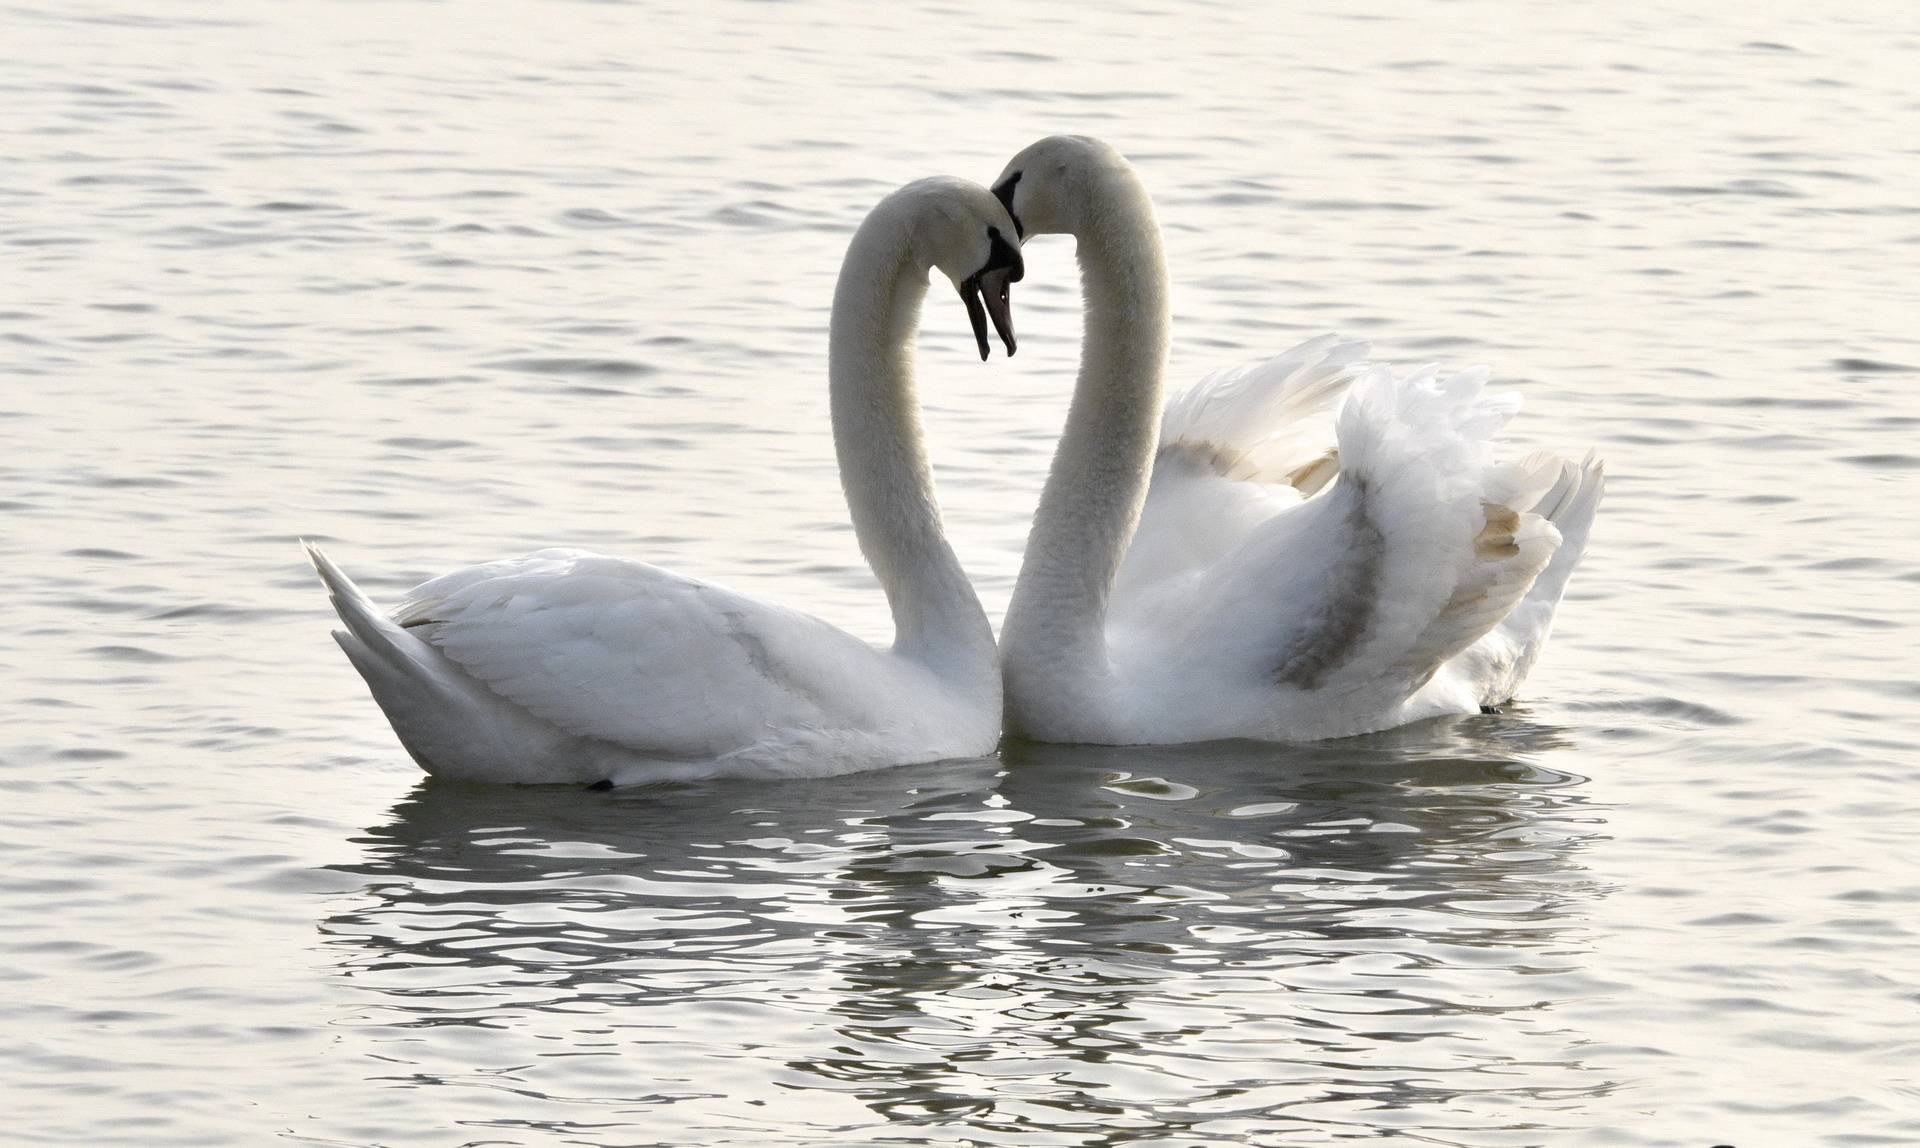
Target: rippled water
439,283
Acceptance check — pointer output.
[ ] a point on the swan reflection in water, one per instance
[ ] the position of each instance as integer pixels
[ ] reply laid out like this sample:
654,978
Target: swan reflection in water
1212,941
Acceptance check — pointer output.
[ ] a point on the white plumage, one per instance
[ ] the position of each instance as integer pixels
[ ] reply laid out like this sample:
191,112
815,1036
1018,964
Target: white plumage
570,666
566,666
1321,548
1267,435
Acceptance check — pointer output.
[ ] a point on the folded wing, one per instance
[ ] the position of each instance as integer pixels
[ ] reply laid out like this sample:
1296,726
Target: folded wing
631,654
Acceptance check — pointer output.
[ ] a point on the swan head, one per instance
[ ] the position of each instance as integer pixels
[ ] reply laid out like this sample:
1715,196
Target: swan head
1047,187
959,228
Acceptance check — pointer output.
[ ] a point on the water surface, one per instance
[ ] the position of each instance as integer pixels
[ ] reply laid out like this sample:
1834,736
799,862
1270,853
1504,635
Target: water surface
435,284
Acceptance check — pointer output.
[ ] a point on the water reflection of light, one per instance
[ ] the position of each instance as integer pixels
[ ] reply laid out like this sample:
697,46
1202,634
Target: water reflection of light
1072,939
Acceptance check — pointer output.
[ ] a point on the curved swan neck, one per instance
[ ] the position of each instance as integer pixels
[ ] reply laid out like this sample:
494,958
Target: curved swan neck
1098,482
937,617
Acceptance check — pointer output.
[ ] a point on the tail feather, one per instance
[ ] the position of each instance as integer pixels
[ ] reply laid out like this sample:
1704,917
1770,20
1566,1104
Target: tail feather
1421,449
365,623
1572,515
442,715
1500,662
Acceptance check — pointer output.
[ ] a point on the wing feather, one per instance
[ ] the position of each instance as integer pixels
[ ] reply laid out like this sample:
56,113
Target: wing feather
1239,447
1419,548
635,655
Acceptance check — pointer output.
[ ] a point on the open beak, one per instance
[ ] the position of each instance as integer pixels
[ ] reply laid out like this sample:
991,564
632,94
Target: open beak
989,295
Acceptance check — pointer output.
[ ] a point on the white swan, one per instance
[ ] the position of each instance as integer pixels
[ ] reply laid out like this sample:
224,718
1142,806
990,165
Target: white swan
566,666
1296,574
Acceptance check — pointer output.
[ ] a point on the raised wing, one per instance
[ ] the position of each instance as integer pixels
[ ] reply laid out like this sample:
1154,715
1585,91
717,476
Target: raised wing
1265,421
1420,547
1241,446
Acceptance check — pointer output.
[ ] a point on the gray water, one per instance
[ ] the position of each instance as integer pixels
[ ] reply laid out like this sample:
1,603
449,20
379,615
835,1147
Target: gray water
439,283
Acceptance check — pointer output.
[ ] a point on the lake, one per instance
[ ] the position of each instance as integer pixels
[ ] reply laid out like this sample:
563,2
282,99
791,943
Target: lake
439,283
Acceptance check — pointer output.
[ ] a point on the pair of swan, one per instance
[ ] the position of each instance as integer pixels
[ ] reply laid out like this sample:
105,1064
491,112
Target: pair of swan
1303,548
